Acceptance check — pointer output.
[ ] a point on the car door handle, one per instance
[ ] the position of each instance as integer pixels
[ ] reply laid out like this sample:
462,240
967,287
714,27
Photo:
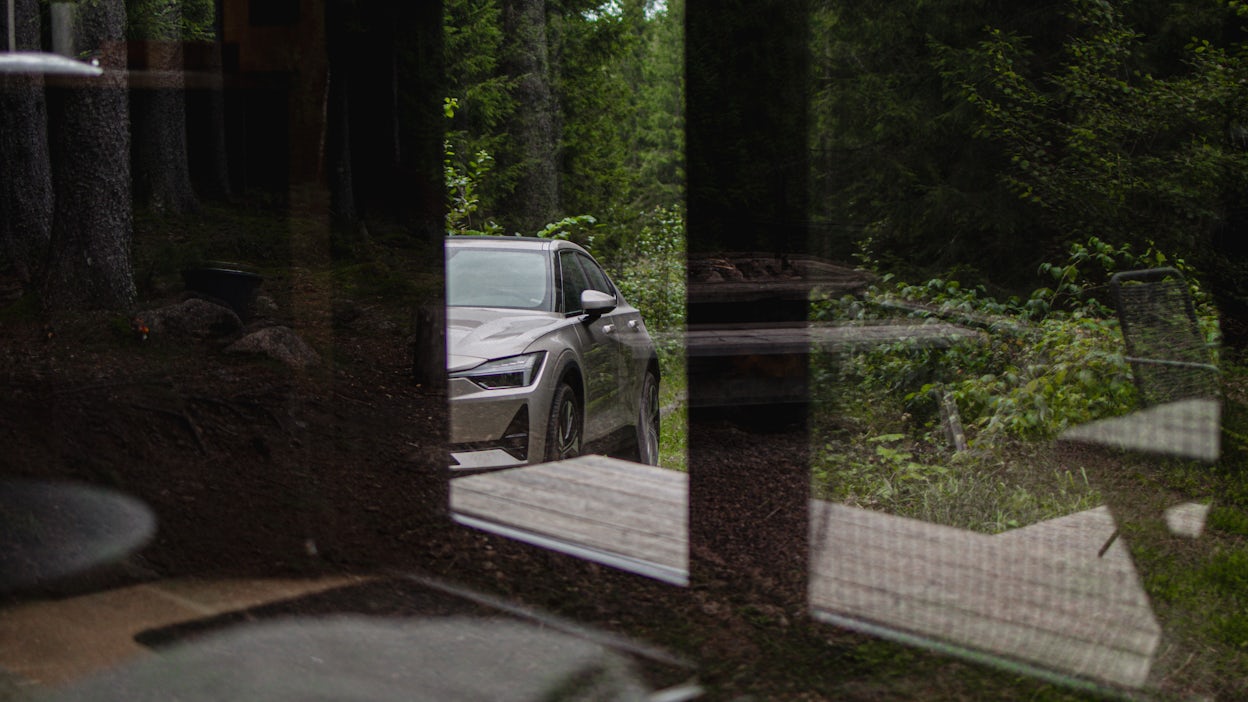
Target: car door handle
632,324
608,329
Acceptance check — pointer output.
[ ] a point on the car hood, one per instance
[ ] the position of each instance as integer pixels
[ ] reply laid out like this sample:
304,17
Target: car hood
477,334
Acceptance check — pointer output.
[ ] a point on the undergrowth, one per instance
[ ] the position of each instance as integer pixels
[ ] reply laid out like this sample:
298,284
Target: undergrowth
1035,367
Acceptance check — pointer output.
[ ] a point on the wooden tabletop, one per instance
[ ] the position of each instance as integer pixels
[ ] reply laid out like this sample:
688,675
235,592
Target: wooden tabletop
1037,597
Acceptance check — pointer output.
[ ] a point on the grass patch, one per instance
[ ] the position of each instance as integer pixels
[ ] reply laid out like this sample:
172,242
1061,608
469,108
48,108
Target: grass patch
988,492
673,391
1229,520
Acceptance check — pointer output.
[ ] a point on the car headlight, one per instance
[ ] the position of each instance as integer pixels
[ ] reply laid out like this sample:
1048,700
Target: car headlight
511,372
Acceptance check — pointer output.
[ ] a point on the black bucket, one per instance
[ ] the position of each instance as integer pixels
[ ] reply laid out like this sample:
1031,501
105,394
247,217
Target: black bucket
235,288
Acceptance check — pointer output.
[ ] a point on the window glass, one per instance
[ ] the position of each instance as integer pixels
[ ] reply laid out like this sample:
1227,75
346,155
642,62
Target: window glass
496,278
597,278
574,282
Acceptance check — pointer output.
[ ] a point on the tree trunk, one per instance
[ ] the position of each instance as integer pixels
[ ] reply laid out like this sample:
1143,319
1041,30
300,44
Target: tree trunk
534,124
346,219
422,205
367,68
205,115
89,262
26,176
161,171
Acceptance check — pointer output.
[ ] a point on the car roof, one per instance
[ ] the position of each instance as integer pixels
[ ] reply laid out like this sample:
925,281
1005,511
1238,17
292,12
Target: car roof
511,242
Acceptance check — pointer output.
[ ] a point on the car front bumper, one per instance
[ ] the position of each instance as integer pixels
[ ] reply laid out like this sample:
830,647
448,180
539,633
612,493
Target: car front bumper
496,428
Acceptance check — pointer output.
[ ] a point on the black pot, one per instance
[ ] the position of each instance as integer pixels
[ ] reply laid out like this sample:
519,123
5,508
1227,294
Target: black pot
237,289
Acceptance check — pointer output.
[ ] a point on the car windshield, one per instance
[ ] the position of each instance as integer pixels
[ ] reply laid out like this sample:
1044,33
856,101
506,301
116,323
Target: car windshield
497,278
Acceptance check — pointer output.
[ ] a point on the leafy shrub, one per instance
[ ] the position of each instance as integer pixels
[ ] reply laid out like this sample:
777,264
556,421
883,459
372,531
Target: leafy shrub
651,268
463,177
1045,363
876,478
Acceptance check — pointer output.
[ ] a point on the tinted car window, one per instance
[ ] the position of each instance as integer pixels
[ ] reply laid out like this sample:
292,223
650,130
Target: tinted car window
574,282
597,278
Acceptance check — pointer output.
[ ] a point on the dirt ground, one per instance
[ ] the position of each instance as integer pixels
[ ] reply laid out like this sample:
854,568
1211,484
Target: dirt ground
249,466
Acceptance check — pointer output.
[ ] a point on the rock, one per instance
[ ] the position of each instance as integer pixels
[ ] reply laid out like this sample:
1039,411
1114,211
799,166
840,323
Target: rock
191,319
279,343
265,306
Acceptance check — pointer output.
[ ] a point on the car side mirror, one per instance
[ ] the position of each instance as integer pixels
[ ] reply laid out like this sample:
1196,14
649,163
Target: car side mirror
596,303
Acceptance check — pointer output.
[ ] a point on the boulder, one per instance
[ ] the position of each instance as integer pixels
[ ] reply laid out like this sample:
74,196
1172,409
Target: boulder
279,343
191,319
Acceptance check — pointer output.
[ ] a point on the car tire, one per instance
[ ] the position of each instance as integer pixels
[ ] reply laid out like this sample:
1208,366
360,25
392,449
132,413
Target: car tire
565,428
648,421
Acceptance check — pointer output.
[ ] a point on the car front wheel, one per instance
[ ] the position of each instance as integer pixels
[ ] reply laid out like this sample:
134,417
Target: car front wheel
648,421
563,431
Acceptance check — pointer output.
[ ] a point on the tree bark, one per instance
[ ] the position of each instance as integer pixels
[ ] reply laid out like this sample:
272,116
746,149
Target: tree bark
346,220
89,259
25,175
534,124
367,67
205,114
160,167
422,205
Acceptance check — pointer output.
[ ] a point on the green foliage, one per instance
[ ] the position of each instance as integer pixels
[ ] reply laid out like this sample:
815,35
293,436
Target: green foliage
990,134
1225,578
617,73
170,20
651,269
480,91
1101,145
877,478
1048,362
1230,520
462,178
578,229
892,153
620,86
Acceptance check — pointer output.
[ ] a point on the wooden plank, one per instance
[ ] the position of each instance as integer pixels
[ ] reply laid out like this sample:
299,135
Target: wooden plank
599,506
1080,535
621,474
874,532
573,525
1017,601
518,509
617,507
559,479
595,506
976,567
601,472
1029,595
1187,519
1187,429
975,591
931,621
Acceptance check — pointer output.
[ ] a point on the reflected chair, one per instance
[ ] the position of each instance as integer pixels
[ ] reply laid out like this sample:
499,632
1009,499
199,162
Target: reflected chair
1169,356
